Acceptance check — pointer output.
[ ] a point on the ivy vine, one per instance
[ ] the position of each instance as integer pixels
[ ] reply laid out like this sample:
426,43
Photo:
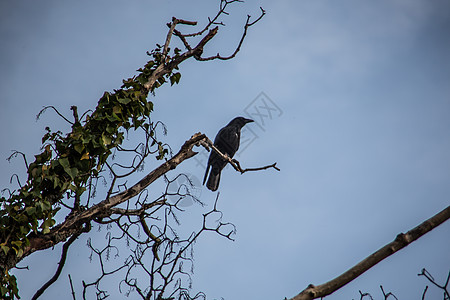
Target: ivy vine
67,162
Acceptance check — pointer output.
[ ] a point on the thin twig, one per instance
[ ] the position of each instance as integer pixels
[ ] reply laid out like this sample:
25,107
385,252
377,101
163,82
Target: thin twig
213,21
433,281
57,111
238,48
424,292
15,153
71,287
61,263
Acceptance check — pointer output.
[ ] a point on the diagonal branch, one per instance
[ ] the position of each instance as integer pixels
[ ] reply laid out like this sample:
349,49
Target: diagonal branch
108,207
75,221
102,209
402,240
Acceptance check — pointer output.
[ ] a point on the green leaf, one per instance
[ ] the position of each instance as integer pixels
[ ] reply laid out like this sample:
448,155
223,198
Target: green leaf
5,249
23,230
20,252
78,147
56,182
73,172
64,162
46,225
31,210
124,100
172,80
175,78
45,205
17,244
106,140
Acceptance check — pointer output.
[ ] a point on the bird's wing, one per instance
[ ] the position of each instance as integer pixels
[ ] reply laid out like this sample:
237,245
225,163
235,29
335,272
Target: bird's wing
206,173
227,140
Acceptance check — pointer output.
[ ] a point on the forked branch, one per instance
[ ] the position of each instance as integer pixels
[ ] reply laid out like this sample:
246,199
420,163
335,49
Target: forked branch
207,143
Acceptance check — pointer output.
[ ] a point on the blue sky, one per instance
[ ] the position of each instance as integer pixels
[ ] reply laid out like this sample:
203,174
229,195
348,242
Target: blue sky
362,135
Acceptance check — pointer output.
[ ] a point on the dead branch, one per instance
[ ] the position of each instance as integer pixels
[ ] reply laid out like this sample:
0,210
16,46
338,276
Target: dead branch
213,21
15,153
107,207
56,110
76,220
61,263
207,143
166,68
238,48
71,287
402,240
387,295
430,278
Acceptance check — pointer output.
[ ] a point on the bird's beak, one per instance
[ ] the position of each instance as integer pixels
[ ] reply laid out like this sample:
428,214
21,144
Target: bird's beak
248,121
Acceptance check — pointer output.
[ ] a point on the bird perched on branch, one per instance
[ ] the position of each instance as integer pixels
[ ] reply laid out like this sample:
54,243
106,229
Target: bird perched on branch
227,142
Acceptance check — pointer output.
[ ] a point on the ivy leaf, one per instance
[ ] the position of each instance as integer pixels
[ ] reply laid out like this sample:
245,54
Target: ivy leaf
20,252
106,139
46,225
5,249
64,162
124,100
30,210
73,172
175,78
78,147
18,244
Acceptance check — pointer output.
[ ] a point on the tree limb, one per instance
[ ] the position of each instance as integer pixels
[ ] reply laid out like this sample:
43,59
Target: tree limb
207,143
238,48
61,263
75,221
402,240
166,68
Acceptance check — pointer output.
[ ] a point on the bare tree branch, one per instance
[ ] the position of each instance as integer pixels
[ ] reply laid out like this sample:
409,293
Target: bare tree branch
424,292
103,209
15,153
430,278
214,21
207,143
166,68
57,111
238,48
387,295
71,288
61,263
402,240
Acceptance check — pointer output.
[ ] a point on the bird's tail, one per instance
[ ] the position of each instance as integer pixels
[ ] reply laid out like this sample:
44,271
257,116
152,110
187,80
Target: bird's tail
213,180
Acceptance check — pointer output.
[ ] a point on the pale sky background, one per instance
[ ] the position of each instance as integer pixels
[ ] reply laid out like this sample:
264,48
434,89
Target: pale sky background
361,134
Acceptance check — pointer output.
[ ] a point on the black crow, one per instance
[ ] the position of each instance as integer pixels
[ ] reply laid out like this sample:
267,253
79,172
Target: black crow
227,141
